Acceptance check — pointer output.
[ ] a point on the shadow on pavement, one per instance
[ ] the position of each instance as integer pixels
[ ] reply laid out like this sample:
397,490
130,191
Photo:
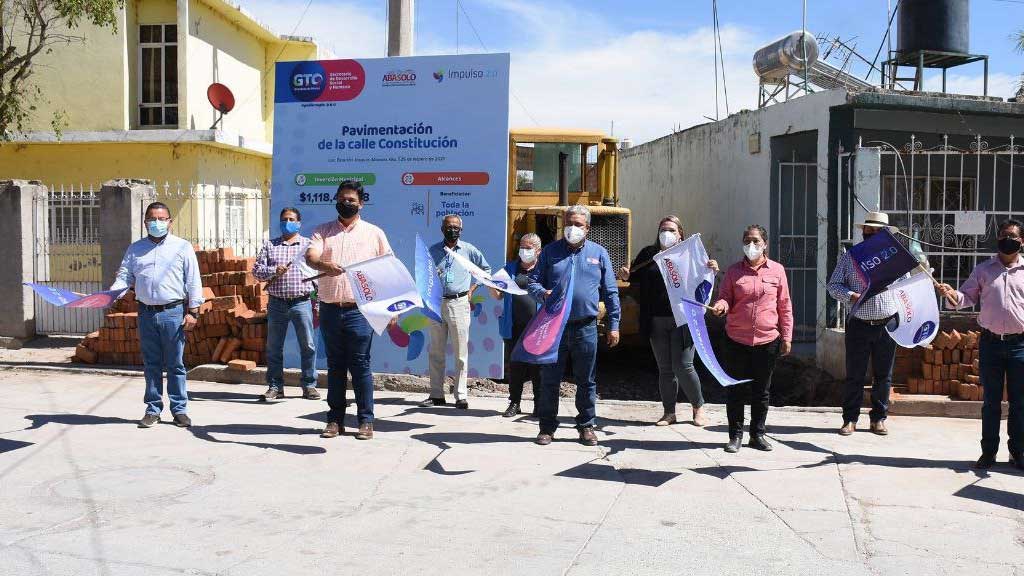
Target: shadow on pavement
10,445
607,473
206,433
379,425
239,397
40,420
446,440
1003,498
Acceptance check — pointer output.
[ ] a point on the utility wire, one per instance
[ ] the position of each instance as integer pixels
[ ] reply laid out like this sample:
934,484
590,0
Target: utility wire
472,27
714,43
721,55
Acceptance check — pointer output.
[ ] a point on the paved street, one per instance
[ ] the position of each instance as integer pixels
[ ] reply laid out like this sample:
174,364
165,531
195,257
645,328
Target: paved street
252,490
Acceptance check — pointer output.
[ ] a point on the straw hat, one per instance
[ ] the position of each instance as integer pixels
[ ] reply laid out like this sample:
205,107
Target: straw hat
877,220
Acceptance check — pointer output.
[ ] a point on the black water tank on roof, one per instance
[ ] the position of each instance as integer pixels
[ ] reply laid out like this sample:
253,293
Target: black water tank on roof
940,25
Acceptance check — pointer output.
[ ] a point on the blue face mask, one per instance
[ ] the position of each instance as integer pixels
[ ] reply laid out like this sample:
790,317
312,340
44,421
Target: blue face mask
288,227
157,228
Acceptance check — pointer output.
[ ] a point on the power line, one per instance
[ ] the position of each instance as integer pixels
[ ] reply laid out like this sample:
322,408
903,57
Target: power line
472,27
721,55
714,32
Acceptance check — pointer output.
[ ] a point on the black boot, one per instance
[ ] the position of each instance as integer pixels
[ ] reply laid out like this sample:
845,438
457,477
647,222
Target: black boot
758,442
734,444
512,410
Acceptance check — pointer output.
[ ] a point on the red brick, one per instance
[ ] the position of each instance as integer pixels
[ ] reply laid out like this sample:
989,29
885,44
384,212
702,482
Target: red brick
242,365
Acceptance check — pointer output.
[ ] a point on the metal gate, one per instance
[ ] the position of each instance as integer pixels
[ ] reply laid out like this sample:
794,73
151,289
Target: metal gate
795,242
949,196
66,254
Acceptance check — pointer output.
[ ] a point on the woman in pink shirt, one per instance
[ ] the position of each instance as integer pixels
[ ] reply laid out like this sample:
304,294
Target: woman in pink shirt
759,323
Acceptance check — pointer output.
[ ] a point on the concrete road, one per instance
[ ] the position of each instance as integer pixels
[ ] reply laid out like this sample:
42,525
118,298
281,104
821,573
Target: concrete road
252,490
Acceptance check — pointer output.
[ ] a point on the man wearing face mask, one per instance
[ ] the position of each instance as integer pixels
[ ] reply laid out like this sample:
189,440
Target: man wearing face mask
594,281
517,312
289,304
866,337
456,290
165,272
347,334
759,329
997,285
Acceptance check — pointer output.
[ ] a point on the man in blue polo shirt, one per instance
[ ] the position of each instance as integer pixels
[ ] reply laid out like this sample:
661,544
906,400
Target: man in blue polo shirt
594,282
457,290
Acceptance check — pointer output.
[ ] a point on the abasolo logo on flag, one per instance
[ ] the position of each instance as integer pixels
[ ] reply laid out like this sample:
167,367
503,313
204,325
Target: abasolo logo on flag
364,286
673,273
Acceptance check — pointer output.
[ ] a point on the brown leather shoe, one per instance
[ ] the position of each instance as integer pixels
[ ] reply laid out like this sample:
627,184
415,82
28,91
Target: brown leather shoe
666,420
543,439
879,428
365,431
848,428
699,418
332,430
587,436
310,393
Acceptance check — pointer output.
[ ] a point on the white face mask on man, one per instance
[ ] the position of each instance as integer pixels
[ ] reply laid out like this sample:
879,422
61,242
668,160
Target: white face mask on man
574,234
753,251
527,255
667,238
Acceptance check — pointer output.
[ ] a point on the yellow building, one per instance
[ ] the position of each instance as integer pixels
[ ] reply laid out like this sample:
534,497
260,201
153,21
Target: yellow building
134,104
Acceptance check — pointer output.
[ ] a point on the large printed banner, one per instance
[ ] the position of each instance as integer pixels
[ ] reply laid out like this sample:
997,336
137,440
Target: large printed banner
426,136
699,330
879,261
917,319
684,268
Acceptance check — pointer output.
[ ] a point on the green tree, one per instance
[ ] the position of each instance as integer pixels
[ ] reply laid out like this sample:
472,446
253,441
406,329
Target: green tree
29,29
1020,48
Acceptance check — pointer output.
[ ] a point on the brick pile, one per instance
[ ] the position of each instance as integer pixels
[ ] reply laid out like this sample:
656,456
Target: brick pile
950,367
232,323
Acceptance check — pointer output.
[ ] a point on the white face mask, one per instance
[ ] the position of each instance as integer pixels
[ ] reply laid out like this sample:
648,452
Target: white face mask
667,238
752,251
574,234
527,255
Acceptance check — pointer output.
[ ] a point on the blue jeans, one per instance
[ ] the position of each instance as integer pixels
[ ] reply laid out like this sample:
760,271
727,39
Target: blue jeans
580,341
1002,360
280,313
864,341
162,340
347,337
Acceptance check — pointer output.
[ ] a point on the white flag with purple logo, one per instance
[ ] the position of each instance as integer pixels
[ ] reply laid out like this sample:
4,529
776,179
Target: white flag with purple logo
684,267
916,322
500,281
383,288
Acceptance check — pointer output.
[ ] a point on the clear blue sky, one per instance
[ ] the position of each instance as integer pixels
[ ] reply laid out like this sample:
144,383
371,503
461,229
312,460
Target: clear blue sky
647,65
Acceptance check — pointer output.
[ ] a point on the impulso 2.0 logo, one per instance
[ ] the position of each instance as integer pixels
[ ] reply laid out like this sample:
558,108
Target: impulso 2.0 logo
453,74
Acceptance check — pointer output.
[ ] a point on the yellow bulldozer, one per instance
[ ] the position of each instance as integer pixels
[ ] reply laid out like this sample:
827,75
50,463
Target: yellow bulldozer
552,169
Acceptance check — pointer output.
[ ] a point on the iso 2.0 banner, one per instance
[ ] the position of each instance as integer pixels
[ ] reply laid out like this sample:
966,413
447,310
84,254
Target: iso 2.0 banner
916,322
684,268
426,136
879,261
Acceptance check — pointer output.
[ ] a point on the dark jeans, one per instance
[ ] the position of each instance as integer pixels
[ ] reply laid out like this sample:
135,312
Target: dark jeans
580,341
864,341
519,372
757,364
1002,360
347,338
281,313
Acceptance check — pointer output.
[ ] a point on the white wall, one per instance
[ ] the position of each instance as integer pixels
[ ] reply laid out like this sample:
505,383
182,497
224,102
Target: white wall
709,178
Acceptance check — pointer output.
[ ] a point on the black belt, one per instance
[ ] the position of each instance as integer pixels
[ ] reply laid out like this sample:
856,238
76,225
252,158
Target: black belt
342,305
881,322
455,296
581,321
1002,337
162,307
292,300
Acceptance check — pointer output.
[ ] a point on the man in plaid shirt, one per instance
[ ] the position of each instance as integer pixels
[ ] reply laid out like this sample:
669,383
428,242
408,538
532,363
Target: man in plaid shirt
866,338
280,264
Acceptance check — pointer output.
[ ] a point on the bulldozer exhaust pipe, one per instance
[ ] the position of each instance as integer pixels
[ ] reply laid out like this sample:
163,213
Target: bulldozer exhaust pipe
563,179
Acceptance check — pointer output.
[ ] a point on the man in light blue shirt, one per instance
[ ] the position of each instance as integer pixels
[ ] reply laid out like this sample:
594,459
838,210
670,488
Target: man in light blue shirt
165,272
594,281
457,290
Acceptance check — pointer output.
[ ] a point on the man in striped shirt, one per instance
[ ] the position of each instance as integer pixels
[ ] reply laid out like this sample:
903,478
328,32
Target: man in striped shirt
866,337
280,265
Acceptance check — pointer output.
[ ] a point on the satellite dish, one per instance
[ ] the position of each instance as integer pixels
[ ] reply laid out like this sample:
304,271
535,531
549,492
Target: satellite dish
222,100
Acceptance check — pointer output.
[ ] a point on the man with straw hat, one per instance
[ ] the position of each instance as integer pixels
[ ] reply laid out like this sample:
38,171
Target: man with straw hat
866,337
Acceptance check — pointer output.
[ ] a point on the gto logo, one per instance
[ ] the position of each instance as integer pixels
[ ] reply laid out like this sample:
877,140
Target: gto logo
401,305
500,284
307,80
364,286
924,331
673,273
